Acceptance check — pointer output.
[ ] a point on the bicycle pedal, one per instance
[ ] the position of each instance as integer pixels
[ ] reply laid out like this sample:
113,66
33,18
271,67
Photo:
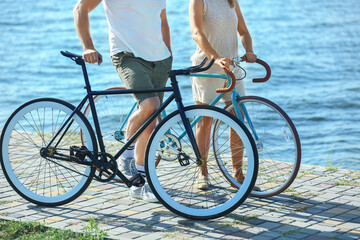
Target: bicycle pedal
78,152
183,159
137,180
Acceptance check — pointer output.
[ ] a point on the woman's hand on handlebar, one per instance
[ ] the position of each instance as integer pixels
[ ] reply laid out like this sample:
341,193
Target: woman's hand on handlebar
223,62
250,57
92,56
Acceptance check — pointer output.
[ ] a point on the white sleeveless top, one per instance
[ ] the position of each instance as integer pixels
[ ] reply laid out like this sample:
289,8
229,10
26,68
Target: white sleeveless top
220,28
135,26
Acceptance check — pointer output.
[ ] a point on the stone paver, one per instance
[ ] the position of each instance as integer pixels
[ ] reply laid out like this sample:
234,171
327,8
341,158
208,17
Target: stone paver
320,204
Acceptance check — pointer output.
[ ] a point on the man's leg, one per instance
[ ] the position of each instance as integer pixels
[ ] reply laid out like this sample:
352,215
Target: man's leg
135,73
146,108
144,111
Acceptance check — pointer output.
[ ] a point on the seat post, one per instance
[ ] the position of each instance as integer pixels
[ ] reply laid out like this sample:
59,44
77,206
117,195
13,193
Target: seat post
86,77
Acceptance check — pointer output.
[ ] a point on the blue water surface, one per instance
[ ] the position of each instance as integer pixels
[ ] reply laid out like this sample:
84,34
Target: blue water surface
313,48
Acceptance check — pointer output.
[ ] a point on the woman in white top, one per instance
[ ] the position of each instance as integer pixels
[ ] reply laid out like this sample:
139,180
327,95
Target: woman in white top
214,25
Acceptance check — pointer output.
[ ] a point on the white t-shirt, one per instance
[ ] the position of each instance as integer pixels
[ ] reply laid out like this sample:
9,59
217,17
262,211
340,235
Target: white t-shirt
135,26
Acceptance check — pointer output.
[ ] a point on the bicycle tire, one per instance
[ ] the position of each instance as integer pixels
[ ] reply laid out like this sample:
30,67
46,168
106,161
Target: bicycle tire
174,185
278,147
46,182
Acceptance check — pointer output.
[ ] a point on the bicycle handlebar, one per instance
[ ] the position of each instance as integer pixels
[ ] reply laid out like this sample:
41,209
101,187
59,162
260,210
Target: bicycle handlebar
233,82
200,68
194,69
265,65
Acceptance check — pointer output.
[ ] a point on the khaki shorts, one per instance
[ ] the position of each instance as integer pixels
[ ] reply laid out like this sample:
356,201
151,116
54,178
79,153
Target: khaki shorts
204,89
138,73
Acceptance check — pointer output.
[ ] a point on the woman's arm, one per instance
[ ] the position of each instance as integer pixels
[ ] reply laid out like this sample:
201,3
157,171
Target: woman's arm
196,10
165,30
82,25
244,35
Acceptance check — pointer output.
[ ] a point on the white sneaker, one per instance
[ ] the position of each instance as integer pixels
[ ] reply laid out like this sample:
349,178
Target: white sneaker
127,167
143,193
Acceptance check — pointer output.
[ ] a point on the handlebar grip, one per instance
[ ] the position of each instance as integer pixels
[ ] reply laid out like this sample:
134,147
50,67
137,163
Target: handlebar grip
268,71
265,65
207,67
202,63
233,82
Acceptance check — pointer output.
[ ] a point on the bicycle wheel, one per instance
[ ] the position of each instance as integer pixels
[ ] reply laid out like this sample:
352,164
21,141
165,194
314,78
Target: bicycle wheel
43,180
112,111
174,179
278,146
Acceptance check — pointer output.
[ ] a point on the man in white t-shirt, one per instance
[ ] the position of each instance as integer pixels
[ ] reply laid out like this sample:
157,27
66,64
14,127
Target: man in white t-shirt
140,50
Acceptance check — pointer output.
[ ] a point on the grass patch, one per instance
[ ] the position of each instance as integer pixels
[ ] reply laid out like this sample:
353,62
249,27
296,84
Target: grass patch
170,234
4,202
37,231
303,173
237,219
299,209
289,232
289,190
352,172
281,208
310,194
93,228
344,182
294,194
331,167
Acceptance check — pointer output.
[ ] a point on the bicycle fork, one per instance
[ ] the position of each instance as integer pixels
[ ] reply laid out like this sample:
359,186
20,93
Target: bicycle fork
234,96
184,159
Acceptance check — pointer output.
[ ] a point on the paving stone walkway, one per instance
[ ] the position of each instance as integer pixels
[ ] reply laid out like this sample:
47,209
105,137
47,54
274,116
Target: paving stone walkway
322,203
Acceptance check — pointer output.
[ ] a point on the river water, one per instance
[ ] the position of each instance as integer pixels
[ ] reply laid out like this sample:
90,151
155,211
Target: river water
313,48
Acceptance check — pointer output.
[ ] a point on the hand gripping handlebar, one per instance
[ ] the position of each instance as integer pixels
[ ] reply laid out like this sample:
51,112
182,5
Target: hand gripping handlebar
233,82
265,65
200,68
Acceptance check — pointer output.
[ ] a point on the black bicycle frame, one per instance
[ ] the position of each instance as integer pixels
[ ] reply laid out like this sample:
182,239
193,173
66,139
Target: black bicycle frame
90,97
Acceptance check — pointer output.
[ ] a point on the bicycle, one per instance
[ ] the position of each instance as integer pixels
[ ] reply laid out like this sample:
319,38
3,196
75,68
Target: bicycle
276,137
50,152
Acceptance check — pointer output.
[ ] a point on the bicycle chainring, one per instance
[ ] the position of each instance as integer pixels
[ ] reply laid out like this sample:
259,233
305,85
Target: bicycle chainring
169,147
108,170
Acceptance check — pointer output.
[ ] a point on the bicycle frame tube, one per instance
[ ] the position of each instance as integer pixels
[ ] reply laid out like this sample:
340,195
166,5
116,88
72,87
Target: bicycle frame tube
127,117
66,123
234,96
145,125
163,115
164,112
217,99
90,98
